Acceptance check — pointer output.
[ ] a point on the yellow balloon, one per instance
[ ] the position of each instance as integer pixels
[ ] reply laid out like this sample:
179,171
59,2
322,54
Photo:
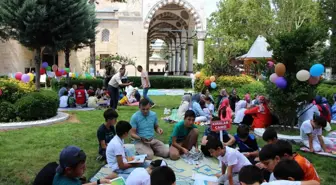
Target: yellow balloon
31,76
212,78
198,74
73,75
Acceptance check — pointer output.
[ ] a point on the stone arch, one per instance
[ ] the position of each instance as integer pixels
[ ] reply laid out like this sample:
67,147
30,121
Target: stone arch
169,14
164,25
189,7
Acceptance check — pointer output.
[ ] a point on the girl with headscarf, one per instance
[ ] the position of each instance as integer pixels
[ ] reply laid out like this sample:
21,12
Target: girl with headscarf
222,95
324,110
185,105
261,114
196,107
240,111
206,93
234,98
333,110
225,112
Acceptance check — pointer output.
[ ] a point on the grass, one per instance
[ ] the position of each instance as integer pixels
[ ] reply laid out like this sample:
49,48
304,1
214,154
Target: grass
24,152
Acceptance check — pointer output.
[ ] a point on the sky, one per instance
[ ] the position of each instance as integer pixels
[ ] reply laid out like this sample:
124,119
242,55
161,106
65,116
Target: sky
210,6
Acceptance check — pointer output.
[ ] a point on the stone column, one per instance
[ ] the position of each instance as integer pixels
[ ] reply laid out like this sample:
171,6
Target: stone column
200,53
172,61
177,62
183,58
190,57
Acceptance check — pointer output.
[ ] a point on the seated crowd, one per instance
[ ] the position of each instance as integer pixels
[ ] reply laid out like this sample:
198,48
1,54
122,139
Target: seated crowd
273,164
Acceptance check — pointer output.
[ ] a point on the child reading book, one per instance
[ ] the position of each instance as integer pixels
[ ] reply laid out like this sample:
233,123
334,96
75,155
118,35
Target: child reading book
141,176
163,175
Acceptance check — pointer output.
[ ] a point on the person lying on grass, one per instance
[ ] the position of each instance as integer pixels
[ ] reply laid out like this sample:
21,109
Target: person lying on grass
72,165
184,136
115,152
230,159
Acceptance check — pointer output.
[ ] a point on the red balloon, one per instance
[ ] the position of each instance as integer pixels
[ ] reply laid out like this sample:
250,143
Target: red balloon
207,82
58,73
314,80
42,71
64,72
18,75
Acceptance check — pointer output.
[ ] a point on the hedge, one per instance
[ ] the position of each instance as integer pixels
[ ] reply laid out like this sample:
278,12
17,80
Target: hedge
7,112
327,91
157,82
13,89
37,105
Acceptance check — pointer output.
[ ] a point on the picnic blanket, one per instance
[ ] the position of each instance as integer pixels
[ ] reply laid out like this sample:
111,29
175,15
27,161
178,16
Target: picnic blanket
183,170
332,137
163,92
75,109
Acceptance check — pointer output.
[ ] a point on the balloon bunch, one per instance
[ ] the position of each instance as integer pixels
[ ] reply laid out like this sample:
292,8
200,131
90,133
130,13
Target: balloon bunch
211,82
313,76
24,77
278,77
46,69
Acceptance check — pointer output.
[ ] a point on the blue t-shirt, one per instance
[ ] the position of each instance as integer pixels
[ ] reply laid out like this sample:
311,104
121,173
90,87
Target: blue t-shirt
216,135
63,180
180,132
250,145
144,124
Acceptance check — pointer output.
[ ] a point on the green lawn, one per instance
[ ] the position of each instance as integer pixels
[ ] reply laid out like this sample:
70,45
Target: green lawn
24,152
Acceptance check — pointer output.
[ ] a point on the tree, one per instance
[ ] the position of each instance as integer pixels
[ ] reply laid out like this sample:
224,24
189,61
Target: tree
3,30
28,23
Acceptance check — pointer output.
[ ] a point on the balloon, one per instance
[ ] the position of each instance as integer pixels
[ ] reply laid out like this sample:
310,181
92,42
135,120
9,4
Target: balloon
212,78
270,64
42,71
213,85
314,80
45,65
48,68
207,82
58,73
281,82
25,78
280,69
50,74
73,75
31,76
18,75
54,68
316,70
67,70
273,77
303,75
198,74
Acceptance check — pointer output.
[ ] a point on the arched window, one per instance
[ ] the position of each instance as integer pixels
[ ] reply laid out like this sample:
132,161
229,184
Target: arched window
105,35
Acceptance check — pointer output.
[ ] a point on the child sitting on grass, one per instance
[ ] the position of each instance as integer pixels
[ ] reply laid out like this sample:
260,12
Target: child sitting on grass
247,143
270,136
205,109
93,100
72,166
184,136
124,99
64,100
231,161
141,176
209,104
163,175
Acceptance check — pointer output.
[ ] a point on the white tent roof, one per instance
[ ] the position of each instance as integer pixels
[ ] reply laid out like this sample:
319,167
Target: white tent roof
258,49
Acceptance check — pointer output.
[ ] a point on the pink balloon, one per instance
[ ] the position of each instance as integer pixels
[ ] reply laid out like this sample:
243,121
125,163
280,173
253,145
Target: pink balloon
18,75
25,78
314,80
273,77
270,64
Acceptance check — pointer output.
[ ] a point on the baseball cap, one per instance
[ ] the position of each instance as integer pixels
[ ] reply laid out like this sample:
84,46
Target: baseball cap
69,157
158,163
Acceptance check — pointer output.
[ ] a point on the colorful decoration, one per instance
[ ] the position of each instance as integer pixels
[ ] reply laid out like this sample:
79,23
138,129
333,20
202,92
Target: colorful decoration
303,75
198,74
207,83
213,85
281,83
273,77
48,68
212,78
314,80
45,65
316,70
1,92
42,71
58,73
280,69
31,76
50,74
25,78
18,75
54,68
270,64
67,70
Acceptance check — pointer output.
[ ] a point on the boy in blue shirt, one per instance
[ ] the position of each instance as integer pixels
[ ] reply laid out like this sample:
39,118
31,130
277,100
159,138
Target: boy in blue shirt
184,136
247,143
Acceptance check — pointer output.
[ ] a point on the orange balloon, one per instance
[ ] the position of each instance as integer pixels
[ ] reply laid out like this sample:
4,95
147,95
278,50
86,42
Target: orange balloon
198,74
280,69
212,78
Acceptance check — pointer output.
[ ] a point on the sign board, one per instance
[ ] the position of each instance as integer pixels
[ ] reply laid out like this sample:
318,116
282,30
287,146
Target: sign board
220,125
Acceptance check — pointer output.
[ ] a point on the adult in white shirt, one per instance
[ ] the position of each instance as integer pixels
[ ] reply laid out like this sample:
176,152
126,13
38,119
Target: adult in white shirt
114,86
141,176
145,84
240,111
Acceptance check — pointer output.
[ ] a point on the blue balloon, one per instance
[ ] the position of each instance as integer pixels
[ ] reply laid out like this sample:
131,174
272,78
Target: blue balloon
213,85
281,82
316,70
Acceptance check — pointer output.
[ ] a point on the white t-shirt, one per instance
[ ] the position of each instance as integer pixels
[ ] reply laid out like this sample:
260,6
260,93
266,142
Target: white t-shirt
114,148
63,101
211,107
282,182
239,116
92,102
307,128
115,81
234,158
144,75
139,176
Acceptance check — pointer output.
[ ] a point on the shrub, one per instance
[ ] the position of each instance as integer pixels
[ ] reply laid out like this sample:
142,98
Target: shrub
13,89
7,112
37,105
327,91
157,82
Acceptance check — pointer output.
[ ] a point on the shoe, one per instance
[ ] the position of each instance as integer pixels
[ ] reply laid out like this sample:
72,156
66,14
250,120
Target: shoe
153,105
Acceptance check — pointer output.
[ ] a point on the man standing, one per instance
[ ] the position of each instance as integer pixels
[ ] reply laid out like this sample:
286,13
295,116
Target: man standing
114,85
144,122
145,84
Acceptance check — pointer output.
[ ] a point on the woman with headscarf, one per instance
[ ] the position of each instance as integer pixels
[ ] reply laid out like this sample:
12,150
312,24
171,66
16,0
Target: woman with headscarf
234,98
201,116
185,105
225,112
222,95
261,114
206,93
323,108
240,111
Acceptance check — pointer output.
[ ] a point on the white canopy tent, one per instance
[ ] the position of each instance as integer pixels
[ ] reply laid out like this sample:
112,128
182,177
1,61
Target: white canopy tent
258,50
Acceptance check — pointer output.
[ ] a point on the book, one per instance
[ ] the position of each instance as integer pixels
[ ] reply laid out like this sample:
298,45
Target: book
201,179
137,159
118,181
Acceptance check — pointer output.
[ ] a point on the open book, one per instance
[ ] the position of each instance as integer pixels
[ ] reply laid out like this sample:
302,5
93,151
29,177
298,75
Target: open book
201,179
118,181
137,159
